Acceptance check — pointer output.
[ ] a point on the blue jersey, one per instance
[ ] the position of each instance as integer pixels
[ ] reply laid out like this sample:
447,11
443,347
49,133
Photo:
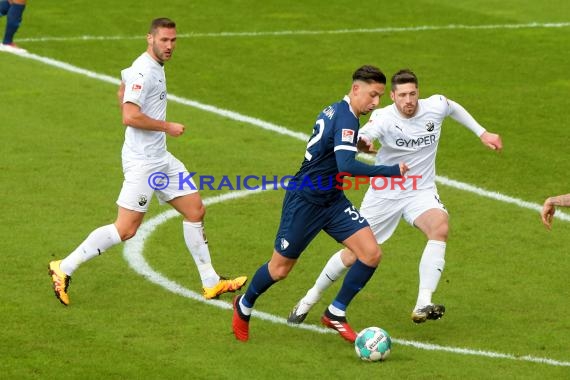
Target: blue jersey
330,151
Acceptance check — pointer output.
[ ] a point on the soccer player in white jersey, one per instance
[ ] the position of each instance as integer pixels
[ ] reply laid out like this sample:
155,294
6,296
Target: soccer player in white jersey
142,96
408,130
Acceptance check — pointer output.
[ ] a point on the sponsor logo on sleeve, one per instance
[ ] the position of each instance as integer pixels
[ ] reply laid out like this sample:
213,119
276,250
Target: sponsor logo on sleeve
348,136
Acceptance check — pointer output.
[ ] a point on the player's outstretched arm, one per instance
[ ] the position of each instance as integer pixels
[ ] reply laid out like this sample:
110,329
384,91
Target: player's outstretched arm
492,140
347,163
460,114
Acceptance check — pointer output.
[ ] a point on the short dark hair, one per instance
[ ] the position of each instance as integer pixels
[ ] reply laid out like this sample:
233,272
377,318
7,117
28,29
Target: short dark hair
404,76
369,74
161,22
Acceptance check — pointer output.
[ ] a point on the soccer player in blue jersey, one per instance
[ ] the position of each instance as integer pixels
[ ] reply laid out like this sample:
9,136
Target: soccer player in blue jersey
315,201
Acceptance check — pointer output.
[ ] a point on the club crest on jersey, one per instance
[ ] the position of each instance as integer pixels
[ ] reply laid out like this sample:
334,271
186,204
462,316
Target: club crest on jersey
348,135
430,126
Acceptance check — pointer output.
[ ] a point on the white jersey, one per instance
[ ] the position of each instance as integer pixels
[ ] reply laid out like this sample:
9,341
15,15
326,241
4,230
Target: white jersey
413,141
145,86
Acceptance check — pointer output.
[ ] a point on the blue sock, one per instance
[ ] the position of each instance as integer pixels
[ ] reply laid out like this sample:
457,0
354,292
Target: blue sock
260,282
4,6
355,279
13,22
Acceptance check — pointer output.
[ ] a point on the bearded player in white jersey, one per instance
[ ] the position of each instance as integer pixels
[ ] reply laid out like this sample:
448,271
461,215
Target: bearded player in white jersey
149,169
408,130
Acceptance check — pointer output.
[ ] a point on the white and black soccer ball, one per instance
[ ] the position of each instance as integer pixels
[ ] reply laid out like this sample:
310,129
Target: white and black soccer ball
373,344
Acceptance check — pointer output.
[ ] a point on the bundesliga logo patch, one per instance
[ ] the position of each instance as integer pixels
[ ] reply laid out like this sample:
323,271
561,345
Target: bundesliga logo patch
348,135
136,87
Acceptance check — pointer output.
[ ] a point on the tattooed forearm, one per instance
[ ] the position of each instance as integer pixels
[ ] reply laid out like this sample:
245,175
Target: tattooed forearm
560,200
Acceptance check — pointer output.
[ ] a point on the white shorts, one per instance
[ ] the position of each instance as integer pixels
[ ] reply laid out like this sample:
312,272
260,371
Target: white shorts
383,215
144,178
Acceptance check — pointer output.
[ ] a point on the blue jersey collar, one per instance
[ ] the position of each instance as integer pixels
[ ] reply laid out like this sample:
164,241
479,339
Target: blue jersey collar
347,99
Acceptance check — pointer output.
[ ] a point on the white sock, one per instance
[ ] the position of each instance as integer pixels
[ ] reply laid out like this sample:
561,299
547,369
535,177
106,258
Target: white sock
431,267
198,246
96,243
332,271
336,311
244,309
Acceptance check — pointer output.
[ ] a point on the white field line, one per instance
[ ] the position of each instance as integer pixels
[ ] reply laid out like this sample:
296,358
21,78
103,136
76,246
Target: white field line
314,32
133,248
133,254
490,354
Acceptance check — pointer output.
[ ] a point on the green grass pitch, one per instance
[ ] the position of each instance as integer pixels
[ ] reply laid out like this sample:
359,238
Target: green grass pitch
506,280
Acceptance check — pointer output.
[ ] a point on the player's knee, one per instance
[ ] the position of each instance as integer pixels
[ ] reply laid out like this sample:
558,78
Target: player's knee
126,233
441,232
202,211
348,257
376,255
371,256
196,214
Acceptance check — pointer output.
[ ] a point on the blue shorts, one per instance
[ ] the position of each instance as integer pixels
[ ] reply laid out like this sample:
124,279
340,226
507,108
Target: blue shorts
301,221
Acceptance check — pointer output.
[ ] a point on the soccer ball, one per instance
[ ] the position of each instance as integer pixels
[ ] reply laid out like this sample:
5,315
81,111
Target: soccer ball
373,344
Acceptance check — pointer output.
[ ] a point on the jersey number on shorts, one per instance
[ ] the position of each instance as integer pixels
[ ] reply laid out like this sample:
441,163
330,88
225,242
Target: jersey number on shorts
320,125
353,213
